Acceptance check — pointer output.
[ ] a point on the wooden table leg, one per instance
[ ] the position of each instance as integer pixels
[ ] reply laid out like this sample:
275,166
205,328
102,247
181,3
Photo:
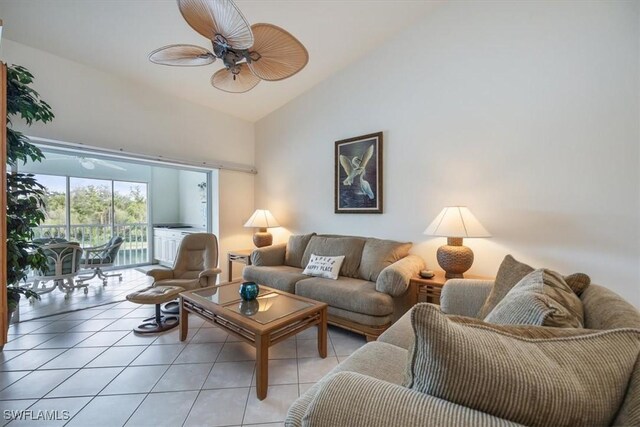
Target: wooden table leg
230,270
184,321
322,333
262,365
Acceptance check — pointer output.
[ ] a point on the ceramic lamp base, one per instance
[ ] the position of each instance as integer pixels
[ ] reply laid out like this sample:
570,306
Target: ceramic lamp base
454,258
262,238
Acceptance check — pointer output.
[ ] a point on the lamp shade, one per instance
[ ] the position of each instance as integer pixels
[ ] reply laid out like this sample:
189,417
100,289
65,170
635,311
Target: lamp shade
456,221
262,218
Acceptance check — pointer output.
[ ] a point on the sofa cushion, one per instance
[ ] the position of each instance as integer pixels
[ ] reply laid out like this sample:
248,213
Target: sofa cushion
295,249
281,277
378,254
378,360
350,247
511,271
346,293
541,298
576,380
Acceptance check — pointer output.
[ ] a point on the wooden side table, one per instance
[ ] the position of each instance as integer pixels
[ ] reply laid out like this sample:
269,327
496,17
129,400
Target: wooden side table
430,289
242,256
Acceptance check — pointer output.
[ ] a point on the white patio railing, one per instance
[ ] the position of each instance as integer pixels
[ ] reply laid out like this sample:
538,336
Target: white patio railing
134,250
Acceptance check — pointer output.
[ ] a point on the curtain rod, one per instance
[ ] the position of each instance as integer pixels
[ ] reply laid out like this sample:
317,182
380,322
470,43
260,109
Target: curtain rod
71,146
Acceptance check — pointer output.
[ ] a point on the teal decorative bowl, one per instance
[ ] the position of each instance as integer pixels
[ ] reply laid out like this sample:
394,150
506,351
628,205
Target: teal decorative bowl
249,291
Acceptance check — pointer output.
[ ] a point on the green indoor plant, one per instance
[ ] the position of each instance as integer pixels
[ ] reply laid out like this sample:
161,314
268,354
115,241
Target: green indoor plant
25,196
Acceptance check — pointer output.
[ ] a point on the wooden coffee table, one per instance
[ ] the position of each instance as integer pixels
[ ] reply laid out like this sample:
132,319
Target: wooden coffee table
273,317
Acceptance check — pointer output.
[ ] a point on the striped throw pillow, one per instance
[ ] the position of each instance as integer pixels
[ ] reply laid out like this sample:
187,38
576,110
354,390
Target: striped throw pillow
565,381
541,298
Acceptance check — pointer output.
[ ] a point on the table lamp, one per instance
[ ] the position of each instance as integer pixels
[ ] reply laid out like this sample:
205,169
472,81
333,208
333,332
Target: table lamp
262,219
455,223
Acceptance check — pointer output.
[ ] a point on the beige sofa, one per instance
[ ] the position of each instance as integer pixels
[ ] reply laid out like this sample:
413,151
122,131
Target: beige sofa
366,389
372,291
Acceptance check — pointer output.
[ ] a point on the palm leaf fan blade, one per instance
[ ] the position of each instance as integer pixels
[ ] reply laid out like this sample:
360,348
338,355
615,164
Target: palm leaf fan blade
218,17
281,54
226,81
185,55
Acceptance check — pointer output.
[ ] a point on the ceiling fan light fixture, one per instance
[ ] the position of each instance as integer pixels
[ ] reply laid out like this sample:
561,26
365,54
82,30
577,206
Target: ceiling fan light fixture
86,163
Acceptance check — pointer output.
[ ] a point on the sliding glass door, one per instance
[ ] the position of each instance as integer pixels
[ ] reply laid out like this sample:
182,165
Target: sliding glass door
92,211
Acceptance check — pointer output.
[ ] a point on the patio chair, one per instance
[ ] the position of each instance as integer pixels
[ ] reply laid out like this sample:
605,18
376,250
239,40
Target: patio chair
99,257
63,264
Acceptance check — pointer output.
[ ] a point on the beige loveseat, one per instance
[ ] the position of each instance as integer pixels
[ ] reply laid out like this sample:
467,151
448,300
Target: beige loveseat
366,389
372,291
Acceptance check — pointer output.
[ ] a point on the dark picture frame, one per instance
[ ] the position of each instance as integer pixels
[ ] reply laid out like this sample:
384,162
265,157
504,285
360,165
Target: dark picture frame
358,174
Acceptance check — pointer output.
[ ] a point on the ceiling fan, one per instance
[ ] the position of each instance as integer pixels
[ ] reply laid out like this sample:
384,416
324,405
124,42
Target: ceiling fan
249,53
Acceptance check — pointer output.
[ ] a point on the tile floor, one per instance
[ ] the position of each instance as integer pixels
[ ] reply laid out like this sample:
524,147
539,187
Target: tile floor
54,302
90,363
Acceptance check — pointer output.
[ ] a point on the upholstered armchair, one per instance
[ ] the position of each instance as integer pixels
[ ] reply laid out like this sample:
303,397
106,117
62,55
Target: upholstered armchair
196,266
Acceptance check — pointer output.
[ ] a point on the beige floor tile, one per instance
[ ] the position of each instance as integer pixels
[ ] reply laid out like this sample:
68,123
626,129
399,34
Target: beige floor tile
184,377
309,348
282,371
36,384
58,326
27,342
116,356
158,355
199,353
230,374
218,408
102,339
93,325
273,408
10,377
283,350
74,358
65,340
85,382
65,408
10,409
31,360
209,335
135,339
313,369
107,411
303,387
163,409
237,351
135,379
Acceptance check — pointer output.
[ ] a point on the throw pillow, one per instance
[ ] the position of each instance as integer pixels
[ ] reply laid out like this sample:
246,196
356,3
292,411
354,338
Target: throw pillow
324,266
350,247
295,249
541,298
511,271
378,254
523,331
565,381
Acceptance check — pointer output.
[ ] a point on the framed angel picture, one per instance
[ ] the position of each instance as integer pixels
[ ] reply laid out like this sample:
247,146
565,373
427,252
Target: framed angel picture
358,174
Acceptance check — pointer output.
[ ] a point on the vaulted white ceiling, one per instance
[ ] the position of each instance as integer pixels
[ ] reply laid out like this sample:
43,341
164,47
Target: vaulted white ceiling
116,36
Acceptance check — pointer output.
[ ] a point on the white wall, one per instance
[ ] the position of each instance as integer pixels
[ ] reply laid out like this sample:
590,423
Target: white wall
192,209
165,195
527,112
99,109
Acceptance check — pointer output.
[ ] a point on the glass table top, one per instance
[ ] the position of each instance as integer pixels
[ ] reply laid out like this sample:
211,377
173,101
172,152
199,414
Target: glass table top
267,307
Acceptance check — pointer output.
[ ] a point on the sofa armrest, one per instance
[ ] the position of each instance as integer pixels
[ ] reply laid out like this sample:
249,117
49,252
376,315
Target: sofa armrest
394,279
351,399
464,297
269,255
160,274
